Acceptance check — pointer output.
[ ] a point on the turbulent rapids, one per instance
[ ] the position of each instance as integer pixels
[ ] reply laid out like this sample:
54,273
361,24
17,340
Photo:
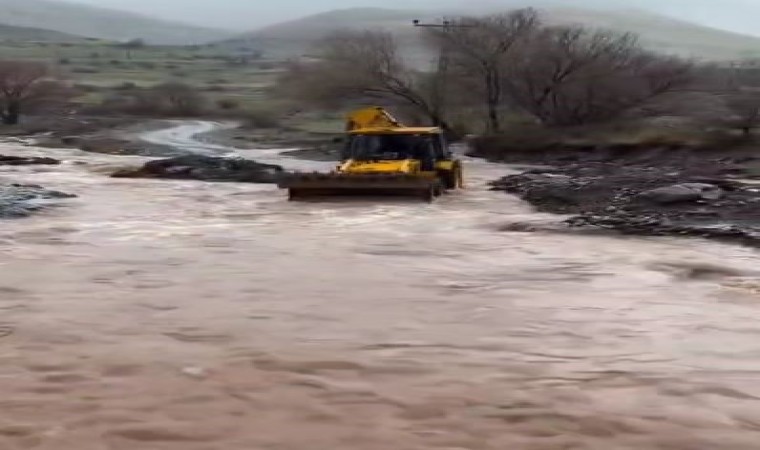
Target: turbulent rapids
186,315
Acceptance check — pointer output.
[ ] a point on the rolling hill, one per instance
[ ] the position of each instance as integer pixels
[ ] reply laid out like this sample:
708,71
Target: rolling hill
10,33
664,33
657,32
94,22
733,15
293,38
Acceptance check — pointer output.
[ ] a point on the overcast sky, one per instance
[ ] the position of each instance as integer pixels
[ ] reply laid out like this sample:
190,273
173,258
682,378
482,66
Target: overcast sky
738,15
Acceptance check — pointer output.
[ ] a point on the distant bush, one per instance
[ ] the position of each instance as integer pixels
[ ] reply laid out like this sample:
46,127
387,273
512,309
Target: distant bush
536,138
164,100
261,118
178,98
514,140
64,61
215,88
266,66
87,88
85,70
228,104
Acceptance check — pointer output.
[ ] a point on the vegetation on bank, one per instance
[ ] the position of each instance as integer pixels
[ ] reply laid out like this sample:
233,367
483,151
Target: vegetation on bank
512,78
134,78
512,75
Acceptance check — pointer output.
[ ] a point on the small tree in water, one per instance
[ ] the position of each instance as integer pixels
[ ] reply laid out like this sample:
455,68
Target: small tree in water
24,87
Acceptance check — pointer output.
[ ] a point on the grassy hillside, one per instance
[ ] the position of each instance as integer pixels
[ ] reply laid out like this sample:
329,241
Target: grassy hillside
103,69
10,33
293,38
658,32
101,23
664,33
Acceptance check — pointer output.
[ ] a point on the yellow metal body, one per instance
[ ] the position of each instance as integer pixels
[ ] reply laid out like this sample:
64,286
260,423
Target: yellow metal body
405,174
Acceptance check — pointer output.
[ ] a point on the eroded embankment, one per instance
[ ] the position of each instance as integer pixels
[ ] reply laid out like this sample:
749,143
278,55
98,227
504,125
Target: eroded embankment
643,190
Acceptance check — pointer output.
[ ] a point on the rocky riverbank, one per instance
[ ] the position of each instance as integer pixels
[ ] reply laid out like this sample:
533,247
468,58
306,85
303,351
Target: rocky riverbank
124,136
311,146
115,139
106,135
205,168
27,161
21,200
712,199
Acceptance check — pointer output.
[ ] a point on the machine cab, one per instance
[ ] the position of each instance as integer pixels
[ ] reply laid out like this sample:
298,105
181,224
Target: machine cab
424,146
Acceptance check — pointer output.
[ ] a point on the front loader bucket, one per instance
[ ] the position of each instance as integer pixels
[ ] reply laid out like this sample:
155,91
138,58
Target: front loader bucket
303,186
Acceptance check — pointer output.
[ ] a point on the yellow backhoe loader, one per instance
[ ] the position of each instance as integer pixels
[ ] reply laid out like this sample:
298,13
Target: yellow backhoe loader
381,156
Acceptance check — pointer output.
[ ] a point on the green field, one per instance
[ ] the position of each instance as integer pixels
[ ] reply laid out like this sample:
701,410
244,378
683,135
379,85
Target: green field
101,68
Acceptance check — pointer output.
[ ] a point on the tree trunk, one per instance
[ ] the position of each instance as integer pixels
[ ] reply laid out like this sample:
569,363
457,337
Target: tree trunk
493,118
438,121
12,114
493,99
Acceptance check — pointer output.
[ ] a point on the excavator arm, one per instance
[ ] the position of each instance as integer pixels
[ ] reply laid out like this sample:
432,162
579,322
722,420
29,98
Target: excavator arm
373,117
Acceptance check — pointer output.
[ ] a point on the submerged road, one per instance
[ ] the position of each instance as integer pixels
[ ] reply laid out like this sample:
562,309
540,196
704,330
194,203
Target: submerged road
183,315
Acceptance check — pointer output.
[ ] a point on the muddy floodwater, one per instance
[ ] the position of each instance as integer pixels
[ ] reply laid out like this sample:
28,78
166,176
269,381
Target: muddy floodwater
196,316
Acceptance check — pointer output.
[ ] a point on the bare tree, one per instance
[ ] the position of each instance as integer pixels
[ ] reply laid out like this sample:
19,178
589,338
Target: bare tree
26,86
744,104
362,65
132,45
482,47
741,94
574,76
172,98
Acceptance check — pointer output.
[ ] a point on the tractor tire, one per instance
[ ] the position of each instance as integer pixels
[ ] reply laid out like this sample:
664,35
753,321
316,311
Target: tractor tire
430,193
452,179
438,190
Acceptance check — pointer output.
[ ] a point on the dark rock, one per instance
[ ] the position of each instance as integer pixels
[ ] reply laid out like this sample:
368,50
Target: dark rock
645,200
70,140
26,161
206,168
18,200
723,183
681,193
105,146
121,147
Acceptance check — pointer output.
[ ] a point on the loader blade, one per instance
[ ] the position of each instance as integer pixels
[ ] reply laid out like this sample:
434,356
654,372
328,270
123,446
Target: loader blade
302,186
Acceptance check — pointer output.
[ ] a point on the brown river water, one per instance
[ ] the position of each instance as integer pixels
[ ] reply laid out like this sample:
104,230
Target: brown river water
179,315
